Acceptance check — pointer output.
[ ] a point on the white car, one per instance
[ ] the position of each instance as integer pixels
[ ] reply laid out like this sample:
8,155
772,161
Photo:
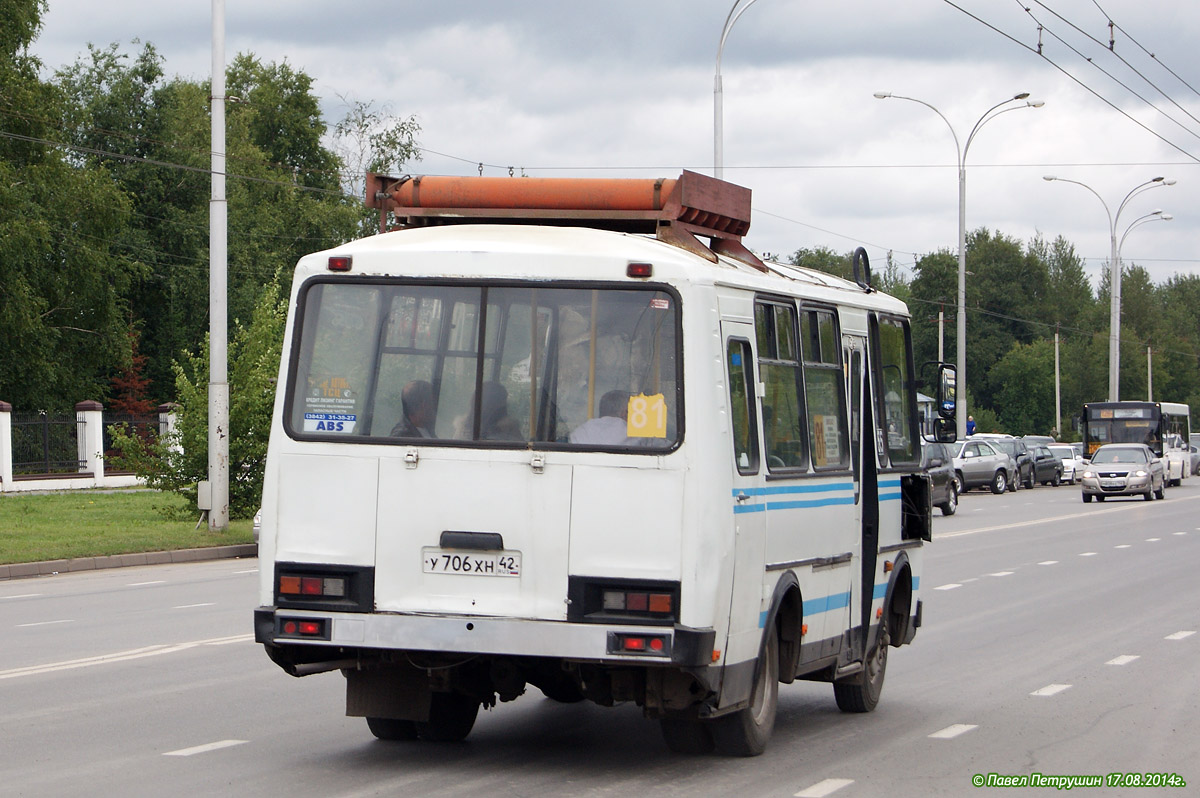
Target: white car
1072,462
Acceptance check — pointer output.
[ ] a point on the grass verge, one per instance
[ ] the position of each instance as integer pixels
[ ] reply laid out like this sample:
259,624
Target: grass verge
54,526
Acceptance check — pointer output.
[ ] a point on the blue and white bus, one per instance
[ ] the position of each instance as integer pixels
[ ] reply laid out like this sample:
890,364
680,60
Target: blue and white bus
545,435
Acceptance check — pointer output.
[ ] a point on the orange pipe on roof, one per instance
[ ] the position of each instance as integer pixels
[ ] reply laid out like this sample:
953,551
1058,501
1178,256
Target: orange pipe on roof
558,193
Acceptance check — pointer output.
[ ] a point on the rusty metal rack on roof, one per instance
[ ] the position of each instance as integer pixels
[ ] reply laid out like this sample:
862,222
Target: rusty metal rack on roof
674,210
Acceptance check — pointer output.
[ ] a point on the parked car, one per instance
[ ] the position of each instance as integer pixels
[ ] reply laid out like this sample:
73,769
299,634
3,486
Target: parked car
1123,469
1072,462
977,464
1019,452
937,460
1047,466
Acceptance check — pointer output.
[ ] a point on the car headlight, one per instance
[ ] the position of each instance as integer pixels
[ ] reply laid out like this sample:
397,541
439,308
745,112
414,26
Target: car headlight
1139,473
1088,475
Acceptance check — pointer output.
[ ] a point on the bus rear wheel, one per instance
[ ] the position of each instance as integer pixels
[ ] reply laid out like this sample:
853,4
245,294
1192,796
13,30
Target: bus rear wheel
860,692
392,728
451,718
747,731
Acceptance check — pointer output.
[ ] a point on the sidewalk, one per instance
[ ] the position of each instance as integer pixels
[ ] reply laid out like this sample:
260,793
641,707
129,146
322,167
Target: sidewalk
50,567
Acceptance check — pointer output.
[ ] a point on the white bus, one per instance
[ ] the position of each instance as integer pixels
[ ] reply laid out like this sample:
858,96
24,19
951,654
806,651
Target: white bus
1177,434
568,445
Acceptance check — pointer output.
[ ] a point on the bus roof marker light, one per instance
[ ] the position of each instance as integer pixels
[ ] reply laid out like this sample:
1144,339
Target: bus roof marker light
339,263
639,270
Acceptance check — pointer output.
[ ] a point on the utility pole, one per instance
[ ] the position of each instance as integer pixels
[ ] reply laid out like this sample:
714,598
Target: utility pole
218,292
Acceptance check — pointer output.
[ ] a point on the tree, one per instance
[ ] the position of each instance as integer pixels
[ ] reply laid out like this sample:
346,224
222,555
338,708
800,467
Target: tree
179,460
62,308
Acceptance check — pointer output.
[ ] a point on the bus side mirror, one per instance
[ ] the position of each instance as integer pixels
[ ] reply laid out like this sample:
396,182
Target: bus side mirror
944,430
947,390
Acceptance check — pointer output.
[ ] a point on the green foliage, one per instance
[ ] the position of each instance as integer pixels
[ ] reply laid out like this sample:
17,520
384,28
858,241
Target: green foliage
177,461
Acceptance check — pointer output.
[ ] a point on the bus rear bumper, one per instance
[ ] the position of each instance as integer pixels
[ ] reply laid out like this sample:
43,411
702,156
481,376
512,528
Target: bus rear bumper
368,633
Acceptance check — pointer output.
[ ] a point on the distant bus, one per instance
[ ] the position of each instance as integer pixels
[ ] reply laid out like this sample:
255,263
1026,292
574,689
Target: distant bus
1177,433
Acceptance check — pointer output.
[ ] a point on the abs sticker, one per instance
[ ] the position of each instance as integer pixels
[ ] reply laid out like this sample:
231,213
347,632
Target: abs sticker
329,422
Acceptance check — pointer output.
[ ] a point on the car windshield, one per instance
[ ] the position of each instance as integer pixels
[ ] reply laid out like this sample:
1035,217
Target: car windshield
1106,455
1065,452
1008,447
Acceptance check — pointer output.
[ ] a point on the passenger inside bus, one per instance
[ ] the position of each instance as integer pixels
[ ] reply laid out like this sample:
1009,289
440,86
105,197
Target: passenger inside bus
610,427
495,423
419,412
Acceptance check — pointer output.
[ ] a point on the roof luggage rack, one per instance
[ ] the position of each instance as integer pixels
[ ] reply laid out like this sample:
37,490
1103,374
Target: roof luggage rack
674,210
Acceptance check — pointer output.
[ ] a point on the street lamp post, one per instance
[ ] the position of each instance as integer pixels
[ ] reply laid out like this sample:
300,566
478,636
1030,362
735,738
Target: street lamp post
1114,281
961,152
739,8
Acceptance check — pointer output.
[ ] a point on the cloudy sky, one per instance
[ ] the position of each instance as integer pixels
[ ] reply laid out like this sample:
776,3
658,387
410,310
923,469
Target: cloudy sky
555,87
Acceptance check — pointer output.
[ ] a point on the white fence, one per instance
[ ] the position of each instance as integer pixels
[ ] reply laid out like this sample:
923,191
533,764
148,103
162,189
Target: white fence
90,450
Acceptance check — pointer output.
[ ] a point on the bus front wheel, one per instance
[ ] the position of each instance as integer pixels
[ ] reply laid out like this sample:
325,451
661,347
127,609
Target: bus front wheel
747,731
860,692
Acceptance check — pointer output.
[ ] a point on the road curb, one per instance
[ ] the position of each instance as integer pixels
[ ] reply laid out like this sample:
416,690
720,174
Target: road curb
49,567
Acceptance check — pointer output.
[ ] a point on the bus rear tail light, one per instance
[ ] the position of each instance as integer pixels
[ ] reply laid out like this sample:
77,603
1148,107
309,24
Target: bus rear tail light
658,645
319,586
296,586
310,628
640,601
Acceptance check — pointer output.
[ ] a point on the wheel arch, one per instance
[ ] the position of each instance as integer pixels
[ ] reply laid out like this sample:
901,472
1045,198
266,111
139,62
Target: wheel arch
898,601
785,618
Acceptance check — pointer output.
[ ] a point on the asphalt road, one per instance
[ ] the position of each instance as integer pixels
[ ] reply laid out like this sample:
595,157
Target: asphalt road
1059,638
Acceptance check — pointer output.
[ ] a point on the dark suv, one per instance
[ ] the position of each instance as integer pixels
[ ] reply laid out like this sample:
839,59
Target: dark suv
1016,448
937,460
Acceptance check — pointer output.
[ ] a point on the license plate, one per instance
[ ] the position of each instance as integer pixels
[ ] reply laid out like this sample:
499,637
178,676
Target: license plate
1112,483
472,563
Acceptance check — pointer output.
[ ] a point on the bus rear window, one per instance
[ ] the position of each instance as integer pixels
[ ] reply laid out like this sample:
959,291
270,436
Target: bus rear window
498,364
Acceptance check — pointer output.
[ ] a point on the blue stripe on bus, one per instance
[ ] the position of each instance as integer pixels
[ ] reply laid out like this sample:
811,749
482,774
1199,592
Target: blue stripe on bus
837,601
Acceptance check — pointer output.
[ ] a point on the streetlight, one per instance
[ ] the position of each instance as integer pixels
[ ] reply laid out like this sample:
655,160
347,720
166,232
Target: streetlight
961,151
1114,281
718,106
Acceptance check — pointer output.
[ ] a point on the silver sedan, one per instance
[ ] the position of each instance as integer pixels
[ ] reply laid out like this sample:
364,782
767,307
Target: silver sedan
1123,469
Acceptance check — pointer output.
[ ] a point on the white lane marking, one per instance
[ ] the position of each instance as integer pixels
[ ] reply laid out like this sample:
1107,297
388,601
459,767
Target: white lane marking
823,788
204,749
1153,540
1088,554
43,623
1179,635
22,595
1123,546
1124,659
1125,507
1051,689
953,731
1179,533
120,656
950,586
1048,562
1002,573
972,579
190,606
143,584
250,571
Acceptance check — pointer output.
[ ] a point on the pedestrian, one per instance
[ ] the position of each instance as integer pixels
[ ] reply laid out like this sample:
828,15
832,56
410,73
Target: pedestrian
970,425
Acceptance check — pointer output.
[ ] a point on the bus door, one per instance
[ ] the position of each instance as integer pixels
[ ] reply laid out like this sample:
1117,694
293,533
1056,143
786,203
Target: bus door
748,500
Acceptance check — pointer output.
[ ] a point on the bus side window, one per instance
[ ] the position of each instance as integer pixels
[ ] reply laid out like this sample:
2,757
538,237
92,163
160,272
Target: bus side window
784,419
823,390
741,406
